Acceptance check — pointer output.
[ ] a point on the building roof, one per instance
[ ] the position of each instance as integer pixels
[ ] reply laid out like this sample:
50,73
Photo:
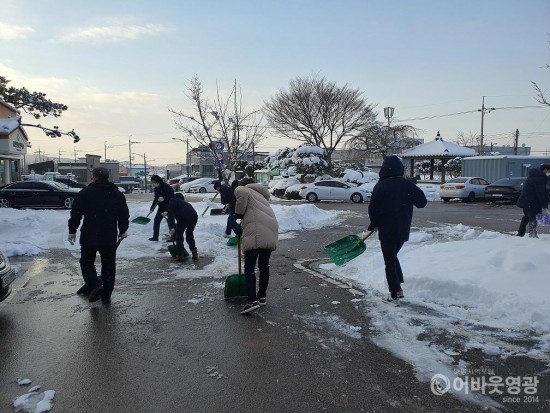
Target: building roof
8,125
438,148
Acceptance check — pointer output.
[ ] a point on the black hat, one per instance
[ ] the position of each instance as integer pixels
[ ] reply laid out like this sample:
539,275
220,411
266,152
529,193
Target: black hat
545,166
100,172
156,178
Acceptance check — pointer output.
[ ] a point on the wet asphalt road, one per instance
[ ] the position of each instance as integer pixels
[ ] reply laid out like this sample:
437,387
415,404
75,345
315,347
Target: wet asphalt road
179,347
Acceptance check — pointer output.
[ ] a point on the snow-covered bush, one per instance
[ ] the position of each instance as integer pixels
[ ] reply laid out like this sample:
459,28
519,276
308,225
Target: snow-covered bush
359,177
281,185
293,191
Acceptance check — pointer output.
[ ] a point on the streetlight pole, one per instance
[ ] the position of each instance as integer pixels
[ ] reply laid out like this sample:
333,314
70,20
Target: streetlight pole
186,141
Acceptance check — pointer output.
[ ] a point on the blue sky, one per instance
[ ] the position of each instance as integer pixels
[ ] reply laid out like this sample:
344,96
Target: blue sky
119,65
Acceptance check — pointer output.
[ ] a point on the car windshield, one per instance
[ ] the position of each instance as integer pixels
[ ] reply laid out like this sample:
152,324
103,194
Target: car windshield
457,181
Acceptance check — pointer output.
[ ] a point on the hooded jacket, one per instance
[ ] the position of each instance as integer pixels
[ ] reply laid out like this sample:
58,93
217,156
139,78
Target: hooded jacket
259,225
392,201
533,194
105,213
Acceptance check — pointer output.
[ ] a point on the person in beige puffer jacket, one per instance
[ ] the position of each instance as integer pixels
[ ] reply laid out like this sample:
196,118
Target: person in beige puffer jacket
260,232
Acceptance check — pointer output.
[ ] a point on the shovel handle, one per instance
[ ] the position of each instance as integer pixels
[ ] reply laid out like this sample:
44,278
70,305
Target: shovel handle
239,253
368,235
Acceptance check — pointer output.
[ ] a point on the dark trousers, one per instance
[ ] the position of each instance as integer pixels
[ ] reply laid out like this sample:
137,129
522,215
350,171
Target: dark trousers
394,275
231,224
529,217
156,222
188,228
250,258
108,266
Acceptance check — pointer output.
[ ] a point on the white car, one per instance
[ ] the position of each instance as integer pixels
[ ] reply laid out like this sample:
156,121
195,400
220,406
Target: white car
466,188
203,187
186,186
332,189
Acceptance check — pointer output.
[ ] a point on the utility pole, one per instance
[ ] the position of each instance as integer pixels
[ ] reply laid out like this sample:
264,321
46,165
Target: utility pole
482,110
145,166
130,155
187,158
75,154
516,142
105,150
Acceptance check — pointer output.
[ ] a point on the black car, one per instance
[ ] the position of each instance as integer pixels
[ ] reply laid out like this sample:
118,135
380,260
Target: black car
506,189
7,275
37,194
70,183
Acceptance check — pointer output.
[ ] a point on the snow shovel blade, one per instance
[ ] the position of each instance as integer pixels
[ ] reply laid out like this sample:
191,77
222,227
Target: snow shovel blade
172,249
346,249
231,242
216,211
235,287
141,220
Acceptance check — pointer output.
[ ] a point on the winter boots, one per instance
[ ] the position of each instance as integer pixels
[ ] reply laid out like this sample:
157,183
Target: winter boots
194,254
533,229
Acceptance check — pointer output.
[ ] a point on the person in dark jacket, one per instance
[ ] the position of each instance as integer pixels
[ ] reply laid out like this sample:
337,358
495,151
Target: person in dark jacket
105,215
228,200
533,199
163,194
182,217
391,211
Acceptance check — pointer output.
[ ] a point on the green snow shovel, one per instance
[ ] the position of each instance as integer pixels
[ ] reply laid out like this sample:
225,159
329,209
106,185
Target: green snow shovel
143,220
173,250
347,248
235,284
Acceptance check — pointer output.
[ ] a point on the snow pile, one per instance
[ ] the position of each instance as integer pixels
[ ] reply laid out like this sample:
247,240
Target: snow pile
359,177
483,279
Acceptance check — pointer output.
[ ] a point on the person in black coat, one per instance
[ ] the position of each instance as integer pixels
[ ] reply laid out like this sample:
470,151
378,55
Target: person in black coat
228,200
391,211
533,199
163,194
182,217
105,215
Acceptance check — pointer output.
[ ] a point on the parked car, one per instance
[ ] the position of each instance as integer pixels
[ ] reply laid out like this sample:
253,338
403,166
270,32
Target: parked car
186,186
37,194
204,186
70,183
506,189
334,190
7,275
468,189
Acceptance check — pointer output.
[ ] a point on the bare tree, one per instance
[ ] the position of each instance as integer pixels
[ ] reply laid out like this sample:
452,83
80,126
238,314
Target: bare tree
541,98
470,139
223,119
37,105
383,139
319,113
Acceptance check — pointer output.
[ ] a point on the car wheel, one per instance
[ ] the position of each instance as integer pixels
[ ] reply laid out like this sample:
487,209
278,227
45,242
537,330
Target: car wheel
356,198
446,199
68,202
5,203
312,197
202,190
471,197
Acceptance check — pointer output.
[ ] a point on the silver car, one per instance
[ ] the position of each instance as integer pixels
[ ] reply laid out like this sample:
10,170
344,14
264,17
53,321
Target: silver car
7,275
468,189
